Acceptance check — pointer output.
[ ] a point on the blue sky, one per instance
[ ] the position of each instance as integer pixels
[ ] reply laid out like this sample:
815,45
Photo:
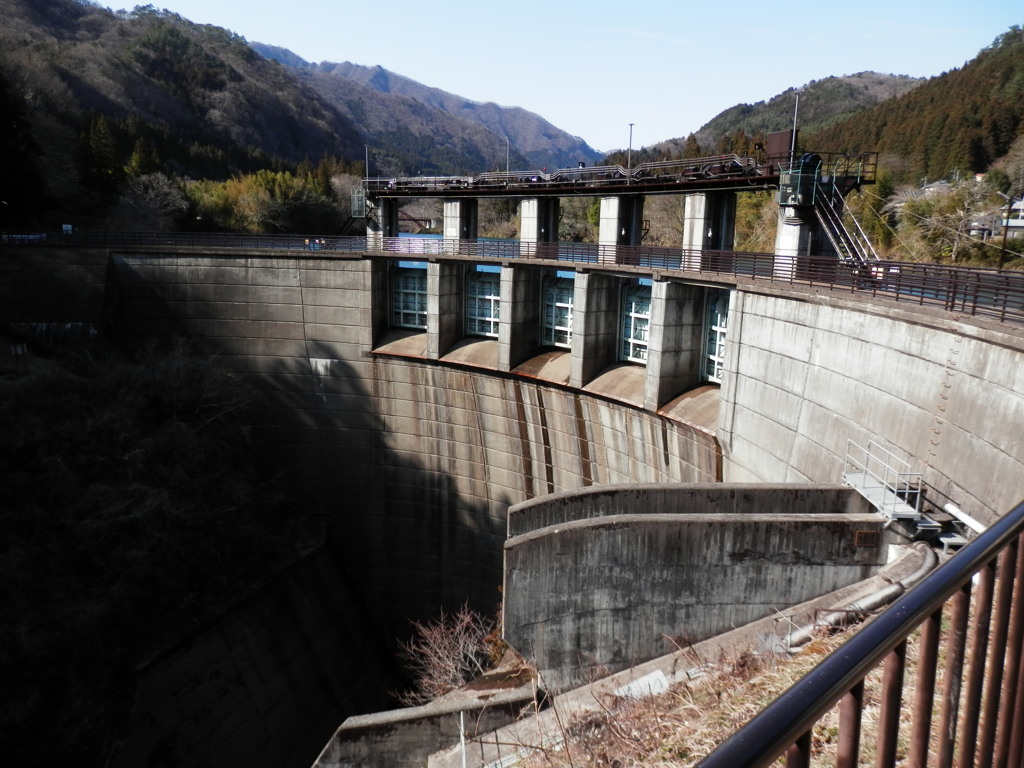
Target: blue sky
591,67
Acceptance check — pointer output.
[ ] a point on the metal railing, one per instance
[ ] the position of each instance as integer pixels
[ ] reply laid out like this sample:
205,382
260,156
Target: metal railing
883,478
972,711
990,293
111,239
853,246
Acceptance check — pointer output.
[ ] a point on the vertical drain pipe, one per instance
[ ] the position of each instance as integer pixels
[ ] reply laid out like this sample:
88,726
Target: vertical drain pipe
462,736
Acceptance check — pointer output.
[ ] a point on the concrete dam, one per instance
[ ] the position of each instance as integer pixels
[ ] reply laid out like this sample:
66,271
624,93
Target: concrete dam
411,438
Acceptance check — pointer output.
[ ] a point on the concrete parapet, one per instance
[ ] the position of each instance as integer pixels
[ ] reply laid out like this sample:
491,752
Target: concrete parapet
405,738
614,574
690,498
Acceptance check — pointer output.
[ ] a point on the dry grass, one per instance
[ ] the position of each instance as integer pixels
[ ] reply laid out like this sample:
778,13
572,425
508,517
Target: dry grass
684,724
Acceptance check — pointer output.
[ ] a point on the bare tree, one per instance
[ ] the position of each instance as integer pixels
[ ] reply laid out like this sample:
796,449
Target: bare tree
151,202
446,653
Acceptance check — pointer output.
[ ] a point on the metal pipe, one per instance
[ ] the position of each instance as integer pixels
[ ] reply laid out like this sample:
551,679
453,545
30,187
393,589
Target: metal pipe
629,156
851,707
868,603
994,683
980,624
953,674
1014,639
799,753
792,138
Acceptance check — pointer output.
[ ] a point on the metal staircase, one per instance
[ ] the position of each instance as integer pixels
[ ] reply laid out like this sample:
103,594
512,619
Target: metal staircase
886,481
853,248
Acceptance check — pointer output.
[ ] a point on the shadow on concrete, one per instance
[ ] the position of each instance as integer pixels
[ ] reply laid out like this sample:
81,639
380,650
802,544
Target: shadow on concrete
394,541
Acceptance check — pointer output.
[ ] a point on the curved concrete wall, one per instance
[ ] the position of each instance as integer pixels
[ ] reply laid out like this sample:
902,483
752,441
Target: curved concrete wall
806,373
265,685
601,580
412,463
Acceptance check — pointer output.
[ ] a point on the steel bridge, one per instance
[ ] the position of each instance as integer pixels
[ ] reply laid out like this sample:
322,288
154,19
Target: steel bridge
701,174
811,192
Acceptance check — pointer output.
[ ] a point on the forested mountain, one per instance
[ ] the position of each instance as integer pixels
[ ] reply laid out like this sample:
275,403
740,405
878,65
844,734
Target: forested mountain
822,103
404,135
957,123
88,92
537,141
94,101
142,118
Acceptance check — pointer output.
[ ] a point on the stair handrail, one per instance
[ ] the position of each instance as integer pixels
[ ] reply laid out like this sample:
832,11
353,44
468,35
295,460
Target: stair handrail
848,245
862,239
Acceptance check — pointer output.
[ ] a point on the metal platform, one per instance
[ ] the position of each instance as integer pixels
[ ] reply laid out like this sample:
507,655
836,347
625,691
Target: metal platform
883,498
885,481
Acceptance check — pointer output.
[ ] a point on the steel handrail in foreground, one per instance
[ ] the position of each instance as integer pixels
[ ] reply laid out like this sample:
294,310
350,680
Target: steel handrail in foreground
980,709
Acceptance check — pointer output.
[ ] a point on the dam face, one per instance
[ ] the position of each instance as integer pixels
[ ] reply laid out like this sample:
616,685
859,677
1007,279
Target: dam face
411,446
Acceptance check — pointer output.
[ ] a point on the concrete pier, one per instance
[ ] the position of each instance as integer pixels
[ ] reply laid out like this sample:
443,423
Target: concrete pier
621,223
538,224
460,221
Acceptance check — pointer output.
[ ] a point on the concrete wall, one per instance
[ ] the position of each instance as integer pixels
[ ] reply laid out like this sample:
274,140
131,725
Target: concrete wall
412,463
53,295
806,373
616,576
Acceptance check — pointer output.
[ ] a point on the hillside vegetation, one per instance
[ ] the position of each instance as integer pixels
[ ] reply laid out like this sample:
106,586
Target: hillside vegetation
93,92
133,512
822,103
962,121
93,98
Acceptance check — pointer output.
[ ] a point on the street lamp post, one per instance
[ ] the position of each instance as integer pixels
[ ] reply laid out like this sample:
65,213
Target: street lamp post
792,138
508,149
629,156
366,161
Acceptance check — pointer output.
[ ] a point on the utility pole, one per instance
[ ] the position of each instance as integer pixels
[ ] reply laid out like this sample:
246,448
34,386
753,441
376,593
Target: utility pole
1006,226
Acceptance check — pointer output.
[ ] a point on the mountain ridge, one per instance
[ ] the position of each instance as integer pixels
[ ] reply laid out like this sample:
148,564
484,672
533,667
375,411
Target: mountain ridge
535,140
